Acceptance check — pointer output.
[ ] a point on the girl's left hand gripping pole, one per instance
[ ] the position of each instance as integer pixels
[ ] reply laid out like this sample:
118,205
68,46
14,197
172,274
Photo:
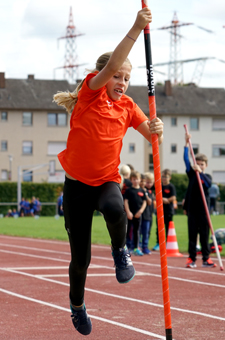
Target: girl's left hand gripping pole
158,185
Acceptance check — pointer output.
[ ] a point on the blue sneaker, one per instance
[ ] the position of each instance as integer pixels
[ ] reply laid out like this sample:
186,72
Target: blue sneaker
81,321
124,267
156,247
146,251
138,252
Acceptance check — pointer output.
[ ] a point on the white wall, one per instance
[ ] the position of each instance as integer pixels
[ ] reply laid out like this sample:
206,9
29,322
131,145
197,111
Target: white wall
136,159
205,137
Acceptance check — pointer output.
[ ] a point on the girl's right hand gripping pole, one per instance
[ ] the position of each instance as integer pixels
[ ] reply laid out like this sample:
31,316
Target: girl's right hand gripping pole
158,185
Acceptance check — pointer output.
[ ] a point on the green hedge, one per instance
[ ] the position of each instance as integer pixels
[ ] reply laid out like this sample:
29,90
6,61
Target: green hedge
49,192
46,192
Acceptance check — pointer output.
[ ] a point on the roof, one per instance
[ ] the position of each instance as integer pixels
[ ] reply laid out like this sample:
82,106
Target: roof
190,100
36,94
31,94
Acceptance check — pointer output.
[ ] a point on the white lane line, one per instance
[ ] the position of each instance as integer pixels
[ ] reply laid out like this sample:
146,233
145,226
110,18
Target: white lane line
120,297
89,275
35,249
135,329
211,272
92,266
35,256
149,274
38,240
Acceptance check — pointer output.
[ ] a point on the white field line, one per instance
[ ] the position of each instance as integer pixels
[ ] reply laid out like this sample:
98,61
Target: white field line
35,249
47,241
147,274
138,330
211,272
119,296
35,256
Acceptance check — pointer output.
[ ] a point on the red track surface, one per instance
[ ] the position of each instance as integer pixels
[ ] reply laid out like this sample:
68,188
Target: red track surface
34,296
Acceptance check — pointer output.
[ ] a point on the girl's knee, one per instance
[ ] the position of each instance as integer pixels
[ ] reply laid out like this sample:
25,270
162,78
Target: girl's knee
113,212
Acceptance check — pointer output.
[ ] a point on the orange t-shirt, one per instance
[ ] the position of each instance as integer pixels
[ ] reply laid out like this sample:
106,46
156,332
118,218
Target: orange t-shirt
97,127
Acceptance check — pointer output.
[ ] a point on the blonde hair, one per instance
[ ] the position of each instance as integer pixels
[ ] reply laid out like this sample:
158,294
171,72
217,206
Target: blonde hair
149,176
69,99
125,170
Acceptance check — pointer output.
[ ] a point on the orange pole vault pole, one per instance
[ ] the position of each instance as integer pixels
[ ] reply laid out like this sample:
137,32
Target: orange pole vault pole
158,185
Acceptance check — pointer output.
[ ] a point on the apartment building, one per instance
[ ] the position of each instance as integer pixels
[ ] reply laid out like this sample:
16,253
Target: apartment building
33,129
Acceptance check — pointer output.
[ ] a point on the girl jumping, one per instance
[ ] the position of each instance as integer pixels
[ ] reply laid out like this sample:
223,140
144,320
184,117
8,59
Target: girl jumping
101,115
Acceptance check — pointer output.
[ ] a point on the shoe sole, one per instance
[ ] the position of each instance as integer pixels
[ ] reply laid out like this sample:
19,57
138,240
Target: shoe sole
209,266
188,266
128,280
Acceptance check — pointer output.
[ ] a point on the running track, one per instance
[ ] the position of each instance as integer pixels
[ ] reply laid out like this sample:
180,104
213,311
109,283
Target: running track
34,296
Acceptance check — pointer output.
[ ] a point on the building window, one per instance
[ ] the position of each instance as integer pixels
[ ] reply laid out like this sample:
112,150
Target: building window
4,145
194,124
195,148
131,148
55,147
218,124
173,148
150,162
27,176
4,175
173,121
57,119
4,116
27,148
27,118
219,177
218,150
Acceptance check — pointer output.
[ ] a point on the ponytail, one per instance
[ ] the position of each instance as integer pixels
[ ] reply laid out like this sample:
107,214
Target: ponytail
68,99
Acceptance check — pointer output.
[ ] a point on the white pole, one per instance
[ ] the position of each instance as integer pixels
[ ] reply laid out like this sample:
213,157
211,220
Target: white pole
19,196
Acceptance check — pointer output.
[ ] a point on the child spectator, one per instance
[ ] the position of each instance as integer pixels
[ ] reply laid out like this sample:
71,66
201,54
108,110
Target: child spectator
26,207
197,218
149,176
146,219
135,204
22,207
15,213
214,194
9,213
125,172
60,204
38,207
169,196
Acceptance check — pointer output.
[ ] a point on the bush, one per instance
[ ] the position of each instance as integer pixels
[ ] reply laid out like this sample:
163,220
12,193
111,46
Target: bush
46,192
180,181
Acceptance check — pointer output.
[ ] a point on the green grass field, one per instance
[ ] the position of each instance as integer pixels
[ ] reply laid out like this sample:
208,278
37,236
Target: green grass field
51,228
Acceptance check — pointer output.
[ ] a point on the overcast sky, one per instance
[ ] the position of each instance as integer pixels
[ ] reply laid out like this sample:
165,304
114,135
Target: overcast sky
30,29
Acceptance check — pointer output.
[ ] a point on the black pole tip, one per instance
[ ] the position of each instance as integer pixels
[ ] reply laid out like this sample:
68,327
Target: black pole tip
169,334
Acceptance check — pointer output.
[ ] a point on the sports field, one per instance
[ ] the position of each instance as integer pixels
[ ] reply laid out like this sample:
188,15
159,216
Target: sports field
34,288
53,228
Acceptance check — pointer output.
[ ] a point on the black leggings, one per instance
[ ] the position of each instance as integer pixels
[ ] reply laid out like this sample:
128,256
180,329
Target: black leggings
198,224
79,203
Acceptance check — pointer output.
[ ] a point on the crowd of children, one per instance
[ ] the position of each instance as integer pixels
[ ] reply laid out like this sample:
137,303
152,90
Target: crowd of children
139,201
28,207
